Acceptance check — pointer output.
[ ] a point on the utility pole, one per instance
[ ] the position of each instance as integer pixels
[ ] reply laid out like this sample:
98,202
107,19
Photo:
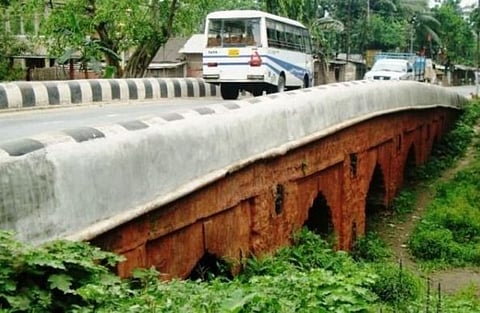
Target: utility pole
349,26
477,24
368,11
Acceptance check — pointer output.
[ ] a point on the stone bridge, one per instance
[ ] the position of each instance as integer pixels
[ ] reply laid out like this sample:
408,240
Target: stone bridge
226,180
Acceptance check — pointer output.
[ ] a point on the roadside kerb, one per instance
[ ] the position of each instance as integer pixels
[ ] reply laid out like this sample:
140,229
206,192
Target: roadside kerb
28,95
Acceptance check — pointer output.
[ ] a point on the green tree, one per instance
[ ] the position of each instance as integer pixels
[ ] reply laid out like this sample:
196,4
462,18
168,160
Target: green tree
422,30
455,32
105,29
10,46
474,21
386,33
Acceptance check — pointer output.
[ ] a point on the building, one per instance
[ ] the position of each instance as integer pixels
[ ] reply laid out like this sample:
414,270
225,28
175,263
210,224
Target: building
192,52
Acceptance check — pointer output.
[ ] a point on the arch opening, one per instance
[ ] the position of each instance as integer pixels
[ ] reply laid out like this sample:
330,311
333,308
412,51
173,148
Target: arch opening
375,204
437,148
319,218
409,170
208,267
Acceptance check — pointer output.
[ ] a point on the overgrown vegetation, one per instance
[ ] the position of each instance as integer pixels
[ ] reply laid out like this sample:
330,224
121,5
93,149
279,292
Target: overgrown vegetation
75,277
309,276
370,248
449,233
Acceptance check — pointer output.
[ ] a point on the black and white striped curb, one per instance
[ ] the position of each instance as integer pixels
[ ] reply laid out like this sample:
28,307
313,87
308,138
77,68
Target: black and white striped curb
23,146
18,95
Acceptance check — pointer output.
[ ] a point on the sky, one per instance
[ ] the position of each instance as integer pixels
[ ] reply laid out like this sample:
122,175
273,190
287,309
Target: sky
469,2
464,2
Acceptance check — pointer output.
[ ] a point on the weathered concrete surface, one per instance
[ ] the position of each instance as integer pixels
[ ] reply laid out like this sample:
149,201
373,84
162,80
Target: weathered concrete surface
208,180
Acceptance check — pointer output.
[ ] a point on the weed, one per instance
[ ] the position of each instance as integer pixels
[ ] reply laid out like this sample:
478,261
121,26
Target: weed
450,231
404,202
395,285
370,248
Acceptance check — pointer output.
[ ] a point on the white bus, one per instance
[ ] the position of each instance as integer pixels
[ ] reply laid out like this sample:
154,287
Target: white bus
256,52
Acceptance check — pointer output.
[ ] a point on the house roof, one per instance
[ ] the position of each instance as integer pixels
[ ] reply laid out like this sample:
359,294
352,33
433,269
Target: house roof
170,51
355,58
194,44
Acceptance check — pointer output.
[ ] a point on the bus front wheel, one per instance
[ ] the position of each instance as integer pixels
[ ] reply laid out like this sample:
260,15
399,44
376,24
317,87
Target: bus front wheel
281,84
306,82
280,87
257,92
229,92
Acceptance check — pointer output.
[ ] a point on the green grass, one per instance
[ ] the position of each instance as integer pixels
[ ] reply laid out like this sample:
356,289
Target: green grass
449,233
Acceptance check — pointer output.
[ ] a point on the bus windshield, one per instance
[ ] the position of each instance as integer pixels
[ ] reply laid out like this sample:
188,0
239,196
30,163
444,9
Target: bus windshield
240,32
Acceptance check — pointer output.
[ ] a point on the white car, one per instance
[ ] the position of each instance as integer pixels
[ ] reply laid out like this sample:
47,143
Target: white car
391,69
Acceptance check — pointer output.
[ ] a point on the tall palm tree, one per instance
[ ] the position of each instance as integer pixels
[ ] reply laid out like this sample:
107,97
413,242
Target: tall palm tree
422,23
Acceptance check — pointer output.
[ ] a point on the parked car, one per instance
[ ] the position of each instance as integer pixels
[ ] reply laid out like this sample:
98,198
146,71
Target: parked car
390,69
397,66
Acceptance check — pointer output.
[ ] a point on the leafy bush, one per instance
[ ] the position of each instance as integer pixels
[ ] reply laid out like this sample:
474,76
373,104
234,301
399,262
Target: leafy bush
433,243
48,278
370,248
395,285
308,251
404,202
452,146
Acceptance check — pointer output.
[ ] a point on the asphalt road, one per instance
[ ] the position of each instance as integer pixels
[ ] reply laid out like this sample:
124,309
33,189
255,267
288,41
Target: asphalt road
19,124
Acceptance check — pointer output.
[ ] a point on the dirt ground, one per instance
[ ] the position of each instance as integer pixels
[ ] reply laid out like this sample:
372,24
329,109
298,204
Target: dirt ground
396,235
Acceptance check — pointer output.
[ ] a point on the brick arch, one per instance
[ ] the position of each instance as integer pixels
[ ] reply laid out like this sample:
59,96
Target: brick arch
209,266
375,199
409,164
240,214
319,219
327,184
435,137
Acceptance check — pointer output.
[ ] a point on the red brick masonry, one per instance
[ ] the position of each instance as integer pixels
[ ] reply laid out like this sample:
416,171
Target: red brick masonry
248,213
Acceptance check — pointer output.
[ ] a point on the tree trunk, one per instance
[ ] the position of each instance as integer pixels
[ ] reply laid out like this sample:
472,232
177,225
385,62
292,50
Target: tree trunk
141,58
109,44
323,69
143,55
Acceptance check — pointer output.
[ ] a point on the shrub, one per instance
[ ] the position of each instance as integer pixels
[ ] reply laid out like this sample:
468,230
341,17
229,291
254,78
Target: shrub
370,248
49,278
431,242
404,202
394,284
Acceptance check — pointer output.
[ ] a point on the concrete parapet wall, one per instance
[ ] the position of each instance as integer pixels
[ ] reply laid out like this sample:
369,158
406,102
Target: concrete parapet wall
21,95
85,181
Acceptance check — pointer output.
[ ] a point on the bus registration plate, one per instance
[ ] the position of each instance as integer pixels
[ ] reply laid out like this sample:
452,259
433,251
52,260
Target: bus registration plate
233,52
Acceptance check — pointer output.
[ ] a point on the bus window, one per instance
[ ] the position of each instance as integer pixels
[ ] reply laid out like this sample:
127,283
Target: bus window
290,37
234,32
272,34
299,46
214,30
253,32
280,33
307,41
